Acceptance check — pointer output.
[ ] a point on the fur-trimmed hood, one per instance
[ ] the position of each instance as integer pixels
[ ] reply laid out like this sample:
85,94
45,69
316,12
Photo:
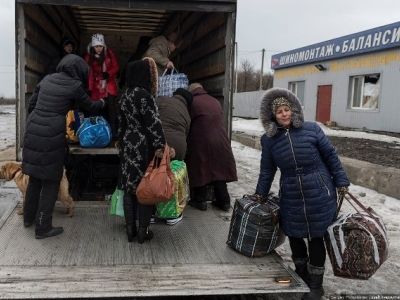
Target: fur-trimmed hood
143,73
267,116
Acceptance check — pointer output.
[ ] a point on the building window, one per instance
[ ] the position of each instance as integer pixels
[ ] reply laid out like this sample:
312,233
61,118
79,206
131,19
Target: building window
364,91
297,88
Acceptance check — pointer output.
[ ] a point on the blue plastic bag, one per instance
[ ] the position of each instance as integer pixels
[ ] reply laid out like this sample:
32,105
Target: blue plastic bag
94,132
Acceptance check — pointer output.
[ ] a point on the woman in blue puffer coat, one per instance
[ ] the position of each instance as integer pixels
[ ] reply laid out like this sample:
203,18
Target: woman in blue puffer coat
310,174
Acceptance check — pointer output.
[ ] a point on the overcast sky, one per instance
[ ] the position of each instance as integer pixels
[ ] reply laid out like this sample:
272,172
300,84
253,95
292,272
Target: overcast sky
275,25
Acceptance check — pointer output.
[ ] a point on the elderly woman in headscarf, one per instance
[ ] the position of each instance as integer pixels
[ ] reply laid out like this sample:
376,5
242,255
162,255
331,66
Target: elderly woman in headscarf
310,174
141,137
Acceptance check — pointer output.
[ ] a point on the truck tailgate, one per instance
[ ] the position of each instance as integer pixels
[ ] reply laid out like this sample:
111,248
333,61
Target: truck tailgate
92,258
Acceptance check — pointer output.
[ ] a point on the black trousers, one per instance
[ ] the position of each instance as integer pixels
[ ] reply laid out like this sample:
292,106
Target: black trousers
41,195
111,114
221,194
316,250
133,208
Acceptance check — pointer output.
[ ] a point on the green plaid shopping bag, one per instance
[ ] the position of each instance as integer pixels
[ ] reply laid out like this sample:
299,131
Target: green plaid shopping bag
175,206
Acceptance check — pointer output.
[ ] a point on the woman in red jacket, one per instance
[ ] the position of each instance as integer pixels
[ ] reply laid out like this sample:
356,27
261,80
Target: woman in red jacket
102,82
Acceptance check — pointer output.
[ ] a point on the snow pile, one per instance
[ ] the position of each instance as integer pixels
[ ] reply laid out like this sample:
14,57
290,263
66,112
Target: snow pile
7,126
254,127
386,280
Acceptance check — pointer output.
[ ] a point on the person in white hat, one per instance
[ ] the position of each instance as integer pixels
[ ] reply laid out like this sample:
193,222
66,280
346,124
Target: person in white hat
102,82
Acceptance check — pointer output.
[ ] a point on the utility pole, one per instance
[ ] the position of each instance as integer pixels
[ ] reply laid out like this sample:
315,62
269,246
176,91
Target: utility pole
236,67
262,68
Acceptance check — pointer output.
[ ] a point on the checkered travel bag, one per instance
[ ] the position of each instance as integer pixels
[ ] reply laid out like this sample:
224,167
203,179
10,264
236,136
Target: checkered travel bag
357,243
254,229
169,83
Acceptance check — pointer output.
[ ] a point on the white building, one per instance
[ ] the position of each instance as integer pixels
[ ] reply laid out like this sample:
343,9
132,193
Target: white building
353,80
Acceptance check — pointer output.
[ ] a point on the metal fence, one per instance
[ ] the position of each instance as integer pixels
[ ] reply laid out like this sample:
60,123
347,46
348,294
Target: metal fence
247,104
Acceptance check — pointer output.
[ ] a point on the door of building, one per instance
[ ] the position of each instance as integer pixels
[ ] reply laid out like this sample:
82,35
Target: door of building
324,98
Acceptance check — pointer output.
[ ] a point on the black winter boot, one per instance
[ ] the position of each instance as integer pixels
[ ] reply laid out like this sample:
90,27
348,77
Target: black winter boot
301,267
131,231
316,276
144,234
52,232
130,216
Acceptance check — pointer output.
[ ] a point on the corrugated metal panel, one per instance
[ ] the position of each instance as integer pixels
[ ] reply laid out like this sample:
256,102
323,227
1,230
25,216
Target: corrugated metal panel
338,72
121,20
247,104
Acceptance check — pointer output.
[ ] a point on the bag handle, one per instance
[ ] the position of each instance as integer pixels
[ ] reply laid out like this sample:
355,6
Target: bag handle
264,200
163,162
359,204
172,71
351,198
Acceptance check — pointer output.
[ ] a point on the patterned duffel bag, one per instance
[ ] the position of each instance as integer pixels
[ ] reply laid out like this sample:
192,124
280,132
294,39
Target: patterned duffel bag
357,243
254,229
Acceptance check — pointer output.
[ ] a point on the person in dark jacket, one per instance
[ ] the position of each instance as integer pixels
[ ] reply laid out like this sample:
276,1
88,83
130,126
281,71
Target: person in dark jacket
161,48
67,47
209,157
45,143
310,174
141,137
175,120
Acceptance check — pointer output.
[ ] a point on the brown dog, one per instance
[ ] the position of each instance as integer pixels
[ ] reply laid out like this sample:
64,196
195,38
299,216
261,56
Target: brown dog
13,171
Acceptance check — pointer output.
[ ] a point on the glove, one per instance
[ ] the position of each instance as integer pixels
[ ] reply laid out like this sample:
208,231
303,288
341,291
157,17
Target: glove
342,190
105,75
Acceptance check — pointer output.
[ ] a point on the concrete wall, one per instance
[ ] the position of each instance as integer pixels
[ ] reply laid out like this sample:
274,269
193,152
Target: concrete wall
382,179
386,63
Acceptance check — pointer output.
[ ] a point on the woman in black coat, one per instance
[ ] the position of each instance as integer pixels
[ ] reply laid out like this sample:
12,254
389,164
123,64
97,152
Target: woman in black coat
141,136
44,145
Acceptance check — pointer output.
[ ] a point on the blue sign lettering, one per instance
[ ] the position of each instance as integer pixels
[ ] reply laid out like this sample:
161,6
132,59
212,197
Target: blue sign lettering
372,40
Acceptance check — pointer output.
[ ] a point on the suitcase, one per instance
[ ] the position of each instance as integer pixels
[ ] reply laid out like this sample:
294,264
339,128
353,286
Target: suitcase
174,207
254,230
357,243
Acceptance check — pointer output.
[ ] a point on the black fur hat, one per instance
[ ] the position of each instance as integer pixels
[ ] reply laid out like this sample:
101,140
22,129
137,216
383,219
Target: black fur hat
267,114
142,73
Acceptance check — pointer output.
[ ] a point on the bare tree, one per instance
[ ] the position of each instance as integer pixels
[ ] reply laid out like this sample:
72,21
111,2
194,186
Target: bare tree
246,76
268,81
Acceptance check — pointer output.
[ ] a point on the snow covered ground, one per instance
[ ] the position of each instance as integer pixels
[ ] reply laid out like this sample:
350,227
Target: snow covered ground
254,127
7,126
387,278
385,281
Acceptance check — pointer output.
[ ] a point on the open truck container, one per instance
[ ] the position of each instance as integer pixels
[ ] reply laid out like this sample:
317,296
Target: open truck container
92,258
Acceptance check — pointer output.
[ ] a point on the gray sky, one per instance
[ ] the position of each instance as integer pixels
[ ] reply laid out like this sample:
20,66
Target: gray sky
276,25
